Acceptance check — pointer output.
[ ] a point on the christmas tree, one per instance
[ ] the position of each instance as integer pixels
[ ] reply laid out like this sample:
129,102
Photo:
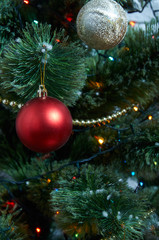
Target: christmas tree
93,176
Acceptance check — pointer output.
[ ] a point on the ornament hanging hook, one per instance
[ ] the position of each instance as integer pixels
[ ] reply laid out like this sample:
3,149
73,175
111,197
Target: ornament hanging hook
42,91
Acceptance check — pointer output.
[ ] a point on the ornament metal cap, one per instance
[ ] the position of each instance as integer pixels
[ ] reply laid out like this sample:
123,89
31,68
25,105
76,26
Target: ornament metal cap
42,91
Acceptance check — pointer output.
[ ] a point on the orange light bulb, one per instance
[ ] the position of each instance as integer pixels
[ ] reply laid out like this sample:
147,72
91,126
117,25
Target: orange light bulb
38,230
26,1
132,23
100,140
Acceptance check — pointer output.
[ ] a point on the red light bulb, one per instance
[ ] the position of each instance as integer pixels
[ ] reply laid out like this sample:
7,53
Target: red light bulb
69,17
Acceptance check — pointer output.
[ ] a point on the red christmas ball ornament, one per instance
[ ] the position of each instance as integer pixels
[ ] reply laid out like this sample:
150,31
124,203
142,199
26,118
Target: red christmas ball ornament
44,124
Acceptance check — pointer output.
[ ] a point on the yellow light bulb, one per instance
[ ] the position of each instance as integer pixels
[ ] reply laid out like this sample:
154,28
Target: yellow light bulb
150,117
48,180
101,141
136,108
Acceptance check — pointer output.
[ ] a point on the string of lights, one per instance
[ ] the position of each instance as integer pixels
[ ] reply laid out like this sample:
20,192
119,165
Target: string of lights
44,176
101,142
104,121
69,17
105,125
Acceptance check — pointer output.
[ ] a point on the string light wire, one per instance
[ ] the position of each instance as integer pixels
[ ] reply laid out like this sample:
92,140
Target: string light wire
43,176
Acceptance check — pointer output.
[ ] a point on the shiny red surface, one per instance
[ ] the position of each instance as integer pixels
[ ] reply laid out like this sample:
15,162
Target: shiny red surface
44,124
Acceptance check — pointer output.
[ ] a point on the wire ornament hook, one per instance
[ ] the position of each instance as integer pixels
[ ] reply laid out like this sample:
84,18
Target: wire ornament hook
42,91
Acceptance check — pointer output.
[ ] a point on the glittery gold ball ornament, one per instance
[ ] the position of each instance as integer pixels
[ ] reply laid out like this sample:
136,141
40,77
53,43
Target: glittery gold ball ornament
101,24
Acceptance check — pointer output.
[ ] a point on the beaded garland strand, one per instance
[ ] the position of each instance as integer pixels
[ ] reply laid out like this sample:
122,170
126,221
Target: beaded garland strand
84,123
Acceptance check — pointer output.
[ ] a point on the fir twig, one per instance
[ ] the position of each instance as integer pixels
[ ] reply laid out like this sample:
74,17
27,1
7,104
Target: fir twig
65,65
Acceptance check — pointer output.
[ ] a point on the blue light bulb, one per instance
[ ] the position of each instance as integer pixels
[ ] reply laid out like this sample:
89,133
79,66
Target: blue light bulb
133,173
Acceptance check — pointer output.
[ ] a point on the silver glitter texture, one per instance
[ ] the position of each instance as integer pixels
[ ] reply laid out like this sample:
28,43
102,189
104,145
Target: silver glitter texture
101,24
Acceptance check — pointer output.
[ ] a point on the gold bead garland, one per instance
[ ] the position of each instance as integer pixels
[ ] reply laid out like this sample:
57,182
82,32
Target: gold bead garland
13,104
103,120
84,123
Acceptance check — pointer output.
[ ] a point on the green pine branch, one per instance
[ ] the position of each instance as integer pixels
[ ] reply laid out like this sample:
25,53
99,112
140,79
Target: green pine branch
131,77
65,65
98,206
8,229
9,22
